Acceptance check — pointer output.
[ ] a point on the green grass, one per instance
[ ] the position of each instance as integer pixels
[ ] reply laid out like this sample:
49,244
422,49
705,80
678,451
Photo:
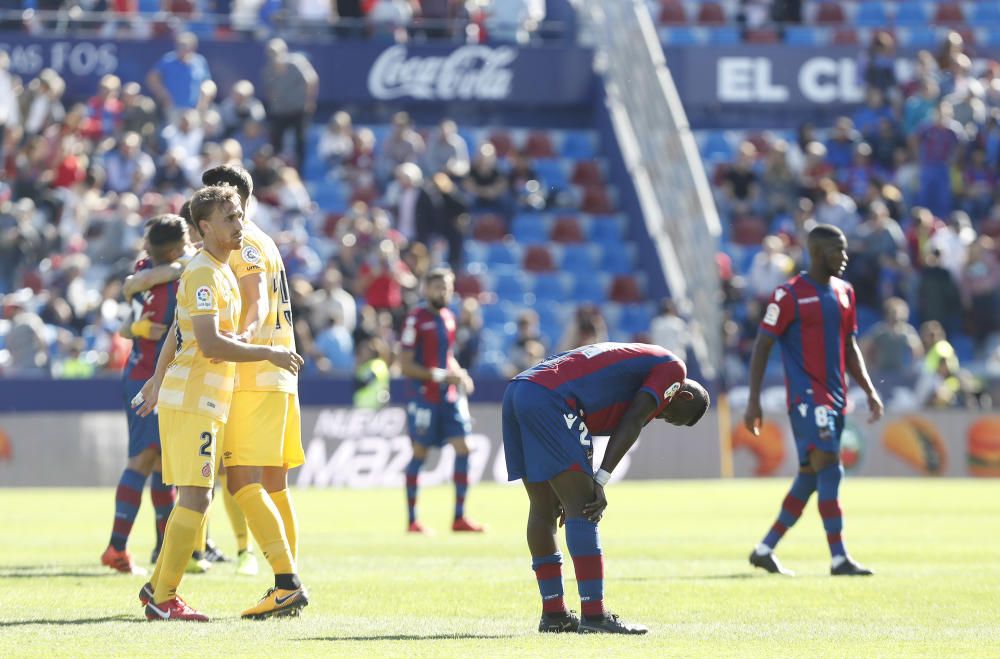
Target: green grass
676,561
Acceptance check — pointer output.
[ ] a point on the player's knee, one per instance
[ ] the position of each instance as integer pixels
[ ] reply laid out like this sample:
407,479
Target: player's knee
194,498
419,451
460,445
144,462
820,460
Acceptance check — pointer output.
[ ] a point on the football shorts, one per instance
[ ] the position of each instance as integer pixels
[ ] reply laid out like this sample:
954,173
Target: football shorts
143,431
264,430
190,443
816,427
433,424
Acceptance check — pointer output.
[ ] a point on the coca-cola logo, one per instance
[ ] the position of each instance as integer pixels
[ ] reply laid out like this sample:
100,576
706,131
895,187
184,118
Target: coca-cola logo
467,73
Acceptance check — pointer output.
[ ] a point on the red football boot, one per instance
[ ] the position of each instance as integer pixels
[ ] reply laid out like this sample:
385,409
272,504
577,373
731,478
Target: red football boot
174,609
417,527
463,524
145,593
120,561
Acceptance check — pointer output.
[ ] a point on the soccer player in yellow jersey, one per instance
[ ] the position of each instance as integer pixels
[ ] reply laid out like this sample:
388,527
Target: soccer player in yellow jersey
196,391
263,434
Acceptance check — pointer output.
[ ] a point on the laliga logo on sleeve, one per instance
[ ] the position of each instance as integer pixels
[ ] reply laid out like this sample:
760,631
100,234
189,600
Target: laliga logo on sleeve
250,254
468,72
203,298
668,395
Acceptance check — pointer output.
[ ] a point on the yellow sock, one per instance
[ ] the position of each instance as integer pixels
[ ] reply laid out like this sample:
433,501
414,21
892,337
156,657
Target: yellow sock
202,537
159,559
283,502
178,542
236,517
265,524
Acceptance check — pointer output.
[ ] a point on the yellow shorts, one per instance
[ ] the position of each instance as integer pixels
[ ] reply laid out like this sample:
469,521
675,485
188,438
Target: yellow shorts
264,430
189,443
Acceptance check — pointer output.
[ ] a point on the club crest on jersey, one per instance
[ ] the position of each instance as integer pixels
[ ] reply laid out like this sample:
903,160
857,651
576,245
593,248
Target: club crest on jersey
203,298
668,395
206,469
251,254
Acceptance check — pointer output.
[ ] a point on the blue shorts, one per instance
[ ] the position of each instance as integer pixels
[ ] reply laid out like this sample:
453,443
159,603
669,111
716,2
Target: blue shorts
432,424
143,432
816,427
542,435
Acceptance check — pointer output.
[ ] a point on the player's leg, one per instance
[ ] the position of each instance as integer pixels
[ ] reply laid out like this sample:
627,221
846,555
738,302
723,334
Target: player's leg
546,560
164,497
829,473
791,510
128,497
275,479
461,478
421,421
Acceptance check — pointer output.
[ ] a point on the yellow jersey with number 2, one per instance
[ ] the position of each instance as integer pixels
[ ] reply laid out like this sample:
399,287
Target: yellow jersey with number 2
260,255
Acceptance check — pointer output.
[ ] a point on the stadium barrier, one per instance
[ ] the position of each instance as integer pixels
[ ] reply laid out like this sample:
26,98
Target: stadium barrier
358,448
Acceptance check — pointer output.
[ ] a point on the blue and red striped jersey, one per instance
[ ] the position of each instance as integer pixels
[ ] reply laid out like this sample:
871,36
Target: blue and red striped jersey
813,323
601,380
160,302
431,336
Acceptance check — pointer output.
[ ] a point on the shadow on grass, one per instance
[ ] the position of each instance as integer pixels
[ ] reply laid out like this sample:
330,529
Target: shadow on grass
67,621
692,577
41,571
407,637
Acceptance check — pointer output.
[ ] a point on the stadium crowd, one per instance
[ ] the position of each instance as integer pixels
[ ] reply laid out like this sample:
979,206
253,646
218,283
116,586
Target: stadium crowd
910,177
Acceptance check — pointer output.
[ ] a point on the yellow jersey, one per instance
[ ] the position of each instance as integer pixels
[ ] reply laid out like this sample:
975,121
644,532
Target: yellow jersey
259,255
194,383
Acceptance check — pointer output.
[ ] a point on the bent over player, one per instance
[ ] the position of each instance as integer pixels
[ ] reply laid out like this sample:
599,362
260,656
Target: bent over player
549,414
437,410
196,392
153,310
813,317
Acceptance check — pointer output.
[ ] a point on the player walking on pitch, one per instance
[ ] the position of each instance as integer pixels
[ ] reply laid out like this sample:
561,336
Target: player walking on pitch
549,413
813,317
196,392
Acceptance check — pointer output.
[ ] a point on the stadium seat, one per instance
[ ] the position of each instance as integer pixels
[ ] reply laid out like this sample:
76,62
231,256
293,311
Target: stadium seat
748,230
502,142
724,36
624,288
871,14
467,285
552,173
567,230
502,253
682,36
805,35
596,200
672,13
367,194
496,315
510,287
330,224
578,145
489,228
605,231
985,14
845,36
549,287
636,318
586,172
918,36
539,145
717,147
579,258
589,289
911,13
617,260
949,13
829,13
538,258
711,13
762,36
529,229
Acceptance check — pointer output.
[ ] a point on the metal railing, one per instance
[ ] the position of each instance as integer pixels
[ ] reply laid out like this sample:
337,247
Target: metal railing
661,156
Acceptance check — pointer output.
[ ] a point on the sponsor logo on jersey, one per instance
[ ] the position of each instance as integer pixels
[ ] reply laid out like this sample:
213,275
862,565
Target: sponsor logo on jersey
203,298
771,316
668,395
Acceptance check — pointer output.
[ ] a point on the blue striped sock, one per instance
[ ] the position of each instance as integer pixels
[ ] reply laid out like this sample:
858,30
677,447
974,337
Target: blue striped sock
584,546
791,508
548,572
163,496
828,486
412,472
128,497
461,483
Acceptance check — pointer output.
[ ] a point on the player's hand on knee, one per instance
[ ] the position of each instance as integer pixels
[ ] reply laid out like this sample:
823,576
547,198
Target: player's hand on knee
594,510
145,401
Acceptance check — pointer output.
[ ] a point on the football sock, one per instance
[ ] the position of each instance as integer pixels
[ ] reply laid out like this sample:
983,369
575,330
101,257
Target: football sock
791,509
201,538
182,532
128,496
584,546
265,523
828,486
548,572
412,473
159,559
236,517
163,496
461,483
283,502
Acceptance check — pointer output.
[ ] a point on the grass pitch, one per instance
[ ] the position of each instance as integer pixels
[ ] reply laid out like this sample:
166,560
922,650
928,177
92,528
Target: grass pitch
676,561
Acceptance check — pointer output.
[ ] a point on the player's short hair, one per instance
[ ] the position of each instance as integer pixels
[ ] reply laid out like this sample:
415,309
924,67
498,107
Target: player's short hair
185,213
165,233
233,175
700,394
439,273
207,199
825,232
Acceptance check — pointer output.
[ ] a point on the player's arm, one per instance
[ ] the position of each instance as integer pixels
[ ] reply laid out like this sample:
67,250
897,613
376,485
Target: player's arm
253,287
146,400
409,368
855,364
467,385
215,345
758,364
147,279
144,328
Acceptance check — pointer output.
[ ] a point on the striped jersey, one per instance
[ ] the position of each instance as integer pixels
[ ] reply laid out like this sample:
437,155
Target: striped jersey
194,383
813,323
601,380
259,254
431,336
157,304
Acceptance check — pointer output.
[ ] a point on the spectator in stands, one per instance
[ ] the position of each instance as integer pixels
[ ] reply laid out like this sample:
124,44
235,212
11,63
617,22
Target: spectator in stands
980,288
938,296
402,145
330,299
138,111
952,243
437,17
176,80
105,110
393,17
940,384
443,211
919,108
447,150
587,327
404,195
45,106
127,166
886,141
836,208
22,241
467,333
252,137
878,255
778,183
857,178
740,185
938,145
671,331
336,145
769,269
27,348
171,176
867,118
879,64
240,106
383,277
186,136
315,13
923,227
334,347
515,20
527,348
892,346
291,88
524,183
814,169
10,112
966,95
841,145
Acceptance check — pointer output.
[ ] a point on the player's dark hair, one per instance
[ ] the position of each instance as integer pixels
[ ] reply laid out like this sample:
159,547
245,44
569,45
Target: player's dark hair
165,233
700,394
206,200
438,273
825,232
185,213
233,175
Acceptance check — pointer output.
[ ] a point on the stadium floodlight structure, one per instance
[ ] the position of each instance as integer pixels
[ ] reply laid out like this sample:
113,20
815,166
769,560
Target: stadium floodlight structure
663,160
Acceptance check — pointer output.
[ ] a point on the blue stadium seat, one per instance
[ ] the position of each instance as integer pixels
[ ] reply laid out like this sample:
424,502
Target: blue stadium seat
549,287
510,287
591,289
605,230
724,36
530,229
490,365
475,251
985,14
923,36
636,318
617,260
502,254
805,35
871,14
867,317
717,147
579,145
965,348
681,35
912,13
496,315
329,196
551,173
578,258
